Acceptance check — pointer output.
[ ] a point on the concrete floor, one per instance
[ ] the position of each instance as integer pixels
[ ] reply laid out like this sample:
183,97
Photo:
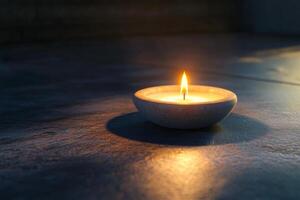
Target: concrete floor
69,130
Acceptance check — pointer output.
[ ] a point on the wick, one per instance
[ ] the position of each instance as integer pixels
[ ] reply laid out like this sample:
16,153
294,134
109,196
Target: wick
184,96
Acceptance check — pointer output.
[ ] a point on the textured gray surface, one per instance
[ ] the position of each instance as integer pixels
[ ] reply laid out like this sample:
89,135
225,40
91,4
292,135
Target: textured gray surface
69,130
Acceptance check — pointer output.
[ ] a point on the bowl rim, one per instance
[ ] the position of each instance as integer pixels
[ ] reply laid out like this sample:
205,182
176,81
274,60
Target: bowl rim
231,95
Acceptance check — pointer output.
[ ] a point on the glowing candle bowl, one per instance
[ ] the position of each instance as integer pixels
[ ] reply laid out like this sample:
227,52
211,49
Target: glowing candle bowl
201,107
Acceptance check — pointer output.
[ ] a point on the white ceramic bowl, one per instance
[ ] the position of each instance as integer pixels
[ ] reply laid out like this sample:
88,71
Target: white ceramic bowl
218,104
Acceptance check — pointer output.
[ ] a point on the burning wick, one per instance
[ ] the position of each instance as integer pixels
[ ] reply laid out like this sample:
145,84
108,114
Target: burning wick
201,106
184,86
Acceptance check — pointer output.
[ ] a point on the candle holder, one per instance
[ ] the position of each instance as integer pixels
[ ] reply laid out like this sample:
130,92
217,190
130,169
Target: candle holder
203,107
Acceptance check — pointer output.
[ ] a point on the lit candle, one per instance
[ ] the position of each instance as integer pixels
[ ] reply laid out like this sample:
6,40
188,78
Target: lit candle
184,106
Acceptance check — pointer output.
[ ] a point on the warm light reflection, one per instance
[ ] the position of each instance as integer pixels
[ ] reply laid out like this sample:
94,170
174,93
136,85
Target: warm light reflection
181,174
184,86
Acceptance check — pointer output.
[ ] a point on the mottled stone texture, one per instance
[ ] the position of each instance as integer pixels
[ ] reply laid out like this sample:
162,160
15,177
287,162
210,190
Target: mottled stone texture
33,20
69,129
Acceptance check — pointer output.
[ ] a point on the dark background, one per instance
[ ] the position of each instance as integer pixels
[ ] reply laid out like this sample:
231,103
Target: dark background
42,20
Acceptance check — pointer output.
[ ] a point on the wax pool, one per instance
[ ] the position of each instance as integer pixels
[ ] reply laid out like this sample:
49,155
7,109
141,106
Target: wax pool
171,94
170,97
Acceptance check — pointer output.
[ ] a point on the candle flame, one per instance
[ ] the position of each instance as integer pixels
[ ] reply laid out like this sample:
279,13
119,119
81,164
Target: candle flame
184,86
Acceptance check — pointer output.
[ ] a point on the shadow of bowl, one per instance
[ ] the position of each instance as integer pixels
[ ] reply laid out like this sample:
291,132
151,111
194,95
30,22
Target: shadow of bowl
234,129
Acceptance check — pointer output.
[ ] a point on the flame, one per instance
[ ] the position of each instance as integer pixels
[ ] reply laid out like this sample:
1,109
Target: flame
184,86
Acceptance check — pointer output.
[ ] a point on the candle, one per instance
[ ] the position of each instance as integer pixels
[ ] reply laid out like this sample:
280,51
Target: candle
184,106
